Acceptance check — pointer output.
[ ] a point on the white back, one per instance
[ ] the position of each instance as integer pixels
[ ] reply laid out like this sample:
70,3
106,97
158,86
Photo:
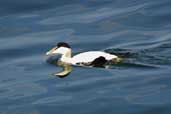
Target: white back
90,56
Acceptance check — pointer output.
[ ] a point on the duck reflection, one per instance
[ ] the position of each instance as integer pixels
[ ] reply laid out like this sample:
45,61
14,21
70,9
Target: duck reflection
67,68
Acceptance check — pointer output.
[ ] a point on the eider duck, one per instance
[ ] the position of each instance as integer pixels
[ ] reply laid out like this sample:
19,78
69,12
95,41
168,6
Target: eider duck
90,58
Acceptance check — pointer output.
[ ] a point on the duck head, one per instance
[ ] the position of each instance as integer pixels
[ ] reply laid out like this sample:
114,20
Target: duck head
61,48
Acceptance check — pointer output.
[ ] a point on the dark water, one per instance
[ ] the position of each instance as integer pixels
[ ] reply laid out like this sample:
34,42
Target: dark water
140,86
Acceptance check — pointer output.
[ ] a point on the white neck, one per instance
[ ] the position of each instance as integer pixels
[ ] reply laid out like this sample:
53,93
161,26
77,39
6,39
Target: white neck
66,57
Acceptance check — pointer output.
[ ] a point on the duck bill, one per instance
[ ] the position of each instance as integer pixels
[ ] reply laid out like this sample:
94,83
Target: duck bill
51,51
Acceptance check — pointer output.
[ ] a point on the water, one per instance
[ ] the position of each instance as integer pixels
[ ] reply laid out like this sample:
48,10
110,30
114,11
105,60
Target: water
30,28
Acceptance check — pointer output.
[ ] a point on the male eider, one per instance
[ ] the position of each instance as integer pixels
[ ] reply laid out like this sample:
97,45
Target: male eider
90,58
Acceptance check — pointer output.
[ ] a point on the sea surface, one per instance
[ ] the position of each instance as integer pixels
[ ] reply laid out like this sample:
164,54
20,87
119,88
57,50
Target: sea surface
140,85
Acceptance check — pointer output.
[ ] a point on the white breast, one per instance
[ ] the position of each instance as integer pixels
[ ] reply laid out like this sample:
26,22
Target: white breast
90,56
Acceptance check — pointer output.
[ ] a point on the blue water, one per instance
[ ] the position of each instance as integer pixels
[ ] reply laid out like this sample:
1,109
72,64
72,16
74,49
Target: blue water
29,28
